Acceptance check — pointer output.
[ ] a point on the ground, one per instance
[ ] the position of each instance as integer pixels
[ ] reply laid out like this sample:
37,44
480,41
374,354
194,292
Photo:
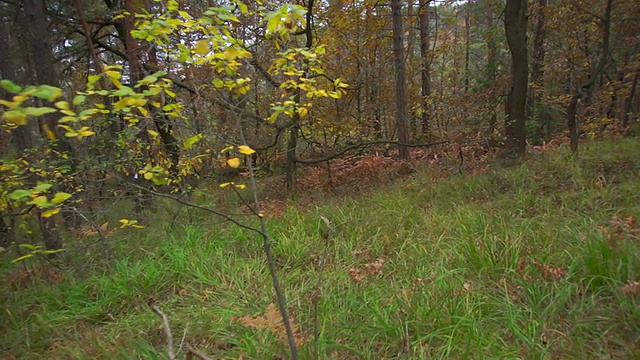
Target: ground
431,259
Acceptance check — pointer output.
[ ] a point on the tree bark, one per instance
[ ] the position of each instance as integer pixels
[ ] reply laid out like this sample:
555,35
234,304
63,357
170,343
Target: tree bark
515,23
628,104
584,89
467,45
492,63
42,54
425,71
291,164
537,72
402,121
21,136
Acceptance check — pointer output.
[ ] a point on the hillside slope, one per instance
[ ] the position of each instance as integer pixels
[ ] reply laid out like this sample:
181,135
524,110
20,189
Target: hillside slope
539,260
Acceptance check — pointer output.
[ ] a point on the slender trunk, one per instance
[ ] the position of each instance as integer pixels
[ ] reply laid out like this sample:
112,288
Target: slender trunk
491,68
515,21
537,72
402,121
425,71
291,163
583,90
21,136
467,45
629,102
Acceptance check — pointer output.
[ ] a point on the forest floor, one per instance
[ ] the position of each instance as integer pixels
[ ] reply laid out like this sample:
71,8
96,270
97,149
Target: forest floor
536,260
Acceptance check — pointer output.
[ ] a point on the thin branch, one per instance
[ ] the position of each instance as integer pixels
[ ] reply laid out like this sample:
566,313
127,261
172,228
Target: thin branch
197,353
193,205
167,331
364,145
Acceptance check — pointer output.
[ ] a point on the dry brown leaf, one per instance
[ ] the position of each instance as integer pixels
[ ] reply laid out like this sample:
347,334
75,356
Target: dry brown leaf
549,272
375,267
355,275
631,289
271,320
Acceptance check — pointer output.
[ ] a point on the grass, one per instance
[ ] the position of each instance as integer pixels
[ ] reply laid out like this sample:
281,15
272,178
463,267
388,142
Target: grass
516,263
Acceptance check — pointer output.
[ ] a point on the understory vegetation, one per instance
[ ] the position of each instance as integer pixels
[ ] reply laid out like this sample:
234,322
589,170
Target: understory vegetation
536,260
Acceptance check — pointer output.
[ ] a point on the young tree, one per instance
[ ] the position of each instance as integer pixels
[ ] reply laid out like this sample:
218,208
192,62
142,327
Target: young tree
515,24
425,69
402,112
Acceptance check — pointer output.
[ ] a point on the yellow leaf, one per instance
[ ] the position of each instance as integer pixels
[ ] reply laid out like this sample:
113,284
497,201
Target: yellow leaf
62,105
113,74
244,149
228,148
15,117
50,212
202,47
240,186
302,111
50,134
148,175
153,133
233,162
39,201
226,184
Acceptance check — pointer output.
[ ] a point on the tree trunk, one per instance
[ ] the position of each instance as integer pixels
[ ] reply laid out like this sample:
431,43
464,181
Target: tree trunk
291,161
467,45
492,64
629,102
583,90
42,53
537,73
21,136
43,60
402,121
515,24
425,71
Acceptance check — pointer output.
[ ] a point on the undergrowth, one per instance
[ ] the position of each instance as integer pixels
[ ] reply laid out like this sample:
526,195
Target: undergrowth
539,260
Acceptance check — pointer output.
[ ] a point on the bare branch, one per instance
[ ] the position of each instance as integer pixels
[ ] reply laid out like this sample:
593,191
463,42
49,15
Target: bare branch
167,331
364,145
193,205
197,353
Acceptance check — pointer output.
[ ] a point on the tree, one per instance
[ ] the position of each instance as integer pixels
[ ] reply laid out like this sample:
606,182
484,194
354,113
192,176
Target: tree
537,72
515,24
583,89
402,112
425,69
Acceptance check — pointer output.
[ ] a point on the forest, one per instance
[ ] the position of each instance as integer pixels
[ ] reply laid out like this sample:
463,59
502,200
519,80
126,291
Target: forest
319,179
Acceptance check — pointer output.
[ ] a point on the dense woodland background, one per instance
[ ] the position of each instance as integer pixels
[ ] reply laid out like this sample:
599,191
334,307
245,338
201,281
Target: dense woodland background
109,107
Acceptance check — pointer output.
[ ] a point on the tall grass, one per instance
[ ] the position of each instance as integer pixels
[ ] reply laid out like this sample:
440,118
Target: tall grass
524,262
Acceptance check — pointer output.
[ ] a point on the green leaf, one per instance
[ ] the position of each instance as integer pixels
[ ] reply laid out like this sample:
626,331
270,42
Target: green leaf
79,100
9,86
29,246
42,187
19,194
39,111
188,144
60,197
47,92
21,258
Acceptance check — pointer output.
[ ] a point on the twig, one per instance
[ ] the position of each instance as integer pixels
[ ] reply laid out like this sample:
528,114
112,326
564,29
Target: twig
102,238
317,292
167,331
363,145
193,205
197,353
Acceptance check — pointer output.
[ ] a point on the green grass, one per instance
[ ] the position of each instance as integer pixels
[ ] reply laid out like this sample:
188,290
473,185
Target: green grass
459,280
